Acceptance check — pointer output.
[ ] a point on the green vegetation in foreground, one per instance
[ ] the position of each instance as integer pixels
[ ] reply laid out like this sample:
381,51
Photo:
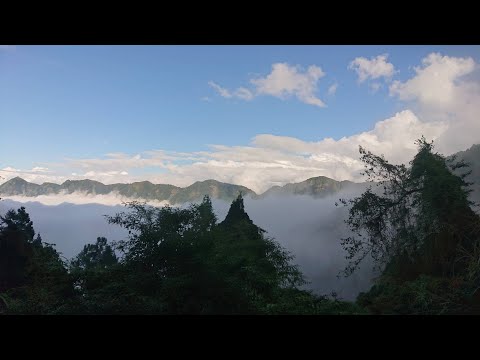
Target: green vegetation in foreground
419,227
175,261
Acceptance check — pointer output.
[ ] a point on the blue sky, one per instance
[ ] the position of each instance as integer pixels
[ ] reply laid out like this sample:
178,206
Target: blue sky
59,103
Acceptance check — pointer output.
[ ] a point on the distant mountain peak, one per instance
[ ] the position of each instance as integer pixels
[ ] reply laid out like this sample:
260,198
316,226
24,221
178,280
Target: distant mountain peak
18,179
318,186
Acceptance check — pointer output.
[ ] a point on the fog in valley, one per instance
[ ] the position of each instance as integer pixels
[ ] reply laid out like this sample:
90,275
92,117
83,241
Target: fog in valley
309,228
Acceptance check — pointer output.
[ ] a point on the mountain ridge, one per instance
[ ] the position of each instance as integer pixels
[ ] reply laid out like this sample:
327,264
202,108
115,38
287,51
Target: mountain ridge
317,187
136,190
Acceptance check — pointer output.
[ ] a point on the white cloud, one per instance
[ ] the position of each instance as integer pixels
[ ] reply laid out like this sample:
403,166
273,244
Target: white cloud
80,198
443,88
283,81
286,80
9,169
40,169
332,89
374,68
437,83
95,174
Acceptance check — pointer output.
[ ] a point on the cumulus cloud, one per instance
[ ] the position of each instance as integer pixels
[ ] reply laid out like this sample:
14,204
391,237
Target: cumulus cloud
435,83
373,68
283,82
444,88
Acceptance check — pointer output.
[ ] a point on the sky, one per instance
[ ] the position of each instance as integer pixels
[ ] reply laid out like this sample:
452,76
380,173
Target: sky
256,116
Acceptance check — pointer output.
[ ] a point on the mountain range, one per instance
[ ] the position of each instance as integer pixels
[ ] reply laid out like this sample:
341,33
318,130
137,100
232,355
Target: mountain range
317,187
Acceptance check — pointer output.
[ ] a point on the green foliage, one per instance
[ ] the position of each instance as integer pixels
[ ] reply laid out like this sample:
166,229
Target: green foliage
15,254
99,254
18,221
186,262
33,277
426,295
293,301
421,231
420,217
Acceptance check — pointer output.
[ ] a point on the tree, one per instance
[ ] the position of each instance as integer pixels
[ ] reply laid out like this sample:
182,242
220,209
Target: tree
256,265
15,254
418,214
33,276
18,220
184,262
99,255
16,235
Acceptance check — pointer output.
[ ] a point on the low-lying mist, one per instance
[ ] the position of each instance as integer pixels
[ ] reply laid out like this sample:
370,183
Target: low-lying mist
79,198
69,226
309,228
